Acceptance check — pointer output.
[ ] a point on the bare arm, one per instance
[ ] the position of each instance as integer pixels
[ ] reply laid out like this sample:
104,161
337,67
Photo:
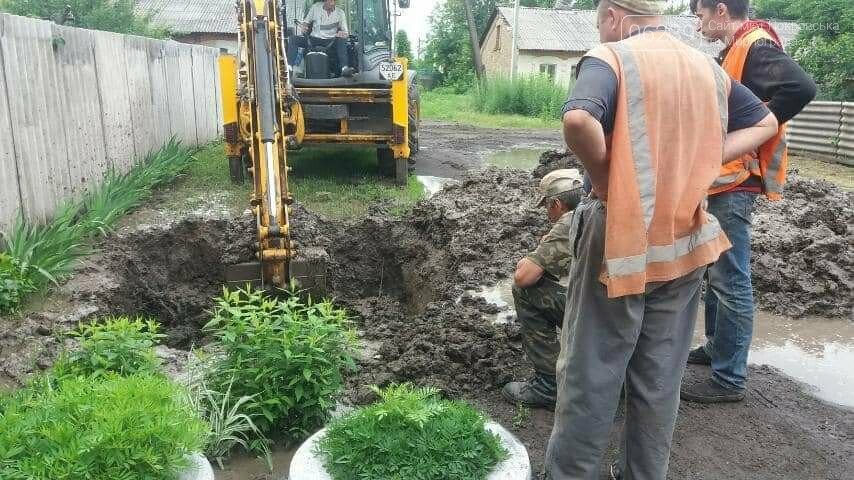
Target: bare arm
586,138
746,140
527,273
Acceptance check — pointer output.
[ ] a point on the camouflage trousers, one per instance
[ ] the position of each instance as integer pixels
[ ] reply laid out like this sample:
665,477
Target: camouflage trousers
539,311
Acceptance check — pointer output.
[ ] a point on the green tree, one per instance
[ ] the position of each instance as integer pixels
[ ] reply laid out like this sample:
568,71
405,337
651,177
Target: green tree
402,45
109,15
825,43
448,48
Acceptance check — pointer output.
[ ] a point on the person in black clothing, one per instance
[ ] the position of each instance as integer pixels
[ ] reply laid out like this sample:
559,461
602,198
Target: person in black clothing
784,86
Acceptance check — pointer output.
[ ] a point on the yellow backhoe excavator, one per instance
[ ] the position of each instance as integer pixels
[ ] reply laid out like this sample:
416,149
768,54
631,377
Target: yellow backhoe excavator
273,104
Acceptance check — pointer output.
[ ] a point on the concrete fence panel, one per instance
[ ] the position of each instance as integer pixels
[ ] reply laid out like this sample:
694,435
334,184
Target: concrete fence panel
35,108
76,103
84,138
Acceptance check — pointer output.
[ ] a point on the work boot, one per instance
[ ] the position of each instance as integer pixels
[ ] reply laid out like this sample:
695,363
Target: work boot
347,72
710,391
698,356
535,393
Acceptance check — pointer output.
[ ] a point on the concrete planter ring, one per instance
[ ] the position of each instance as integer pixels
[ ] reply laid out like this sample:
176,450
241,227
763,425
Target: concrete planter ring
199,469
308,466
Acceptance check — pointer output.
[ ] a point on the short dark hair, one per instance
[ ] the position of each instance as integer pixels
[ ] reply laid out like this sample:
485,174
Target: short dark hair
570,198
736,8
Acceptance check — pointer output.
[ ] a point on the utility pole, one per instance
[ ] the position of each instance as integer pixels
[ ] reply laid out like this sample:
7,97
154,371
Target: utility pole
515,35
475,45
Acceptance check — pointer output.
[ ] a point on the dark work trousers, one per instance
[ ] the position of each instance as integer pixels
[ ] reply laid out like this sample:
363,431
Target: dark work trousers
642,340
338,45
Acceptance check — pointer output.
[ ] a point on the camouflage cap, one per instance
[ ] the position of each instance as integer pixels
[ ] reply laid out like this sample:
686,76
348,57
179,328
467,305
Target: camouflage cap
642,7
557,182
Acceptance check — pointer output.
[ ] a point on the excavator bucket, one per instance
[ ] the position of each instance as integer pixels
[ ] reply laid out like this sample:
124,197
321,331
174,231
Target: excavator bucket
306,271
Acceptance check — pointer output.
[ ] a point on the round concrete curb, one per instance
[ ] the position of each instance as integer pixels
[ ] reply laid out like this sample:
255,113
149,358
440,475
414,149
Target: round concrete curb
199,469
307,466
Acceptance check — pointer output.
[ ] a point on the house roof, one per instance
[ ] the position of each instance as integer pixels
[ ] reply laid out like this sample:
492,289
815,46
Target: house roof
191,16
575,30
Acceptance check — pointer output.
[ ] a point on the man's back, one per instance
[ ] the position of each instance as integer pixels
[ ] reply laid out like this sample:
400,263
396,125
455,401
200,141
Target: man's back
666,148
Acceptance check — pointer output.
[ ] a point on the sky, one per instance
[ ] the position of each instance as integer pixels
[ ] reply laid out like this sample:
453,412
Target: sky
415,20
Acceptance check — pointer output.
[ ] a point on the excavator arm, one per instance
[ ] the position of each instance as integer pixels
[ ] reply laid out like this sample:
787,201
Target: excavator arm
261,116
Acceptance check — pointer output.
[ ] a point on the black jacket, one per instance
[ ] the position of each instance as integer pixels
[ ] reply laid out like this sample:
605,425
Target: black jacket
775,78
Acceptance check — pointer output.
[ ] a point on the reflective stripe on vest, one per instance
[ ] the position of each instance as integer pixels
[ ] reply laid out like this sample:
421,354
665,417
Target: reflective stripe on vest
664,152
770,161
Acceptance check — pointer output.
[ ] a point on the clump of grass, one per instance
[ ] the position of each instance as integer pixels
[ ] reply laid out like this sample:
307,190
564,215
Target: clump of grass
136,427
411,433
118,345
229,428
287,355
442,105
45,253
531,96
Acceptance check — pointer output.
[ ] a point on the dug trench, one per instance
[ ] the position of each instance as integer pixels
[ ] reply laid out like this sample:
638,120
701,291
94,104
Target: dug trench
408,282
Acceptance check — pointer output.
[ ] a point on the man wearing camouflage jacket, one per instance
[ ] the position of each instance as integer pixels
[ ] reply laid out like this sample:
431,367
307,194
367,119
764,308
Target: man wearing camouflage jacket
539,291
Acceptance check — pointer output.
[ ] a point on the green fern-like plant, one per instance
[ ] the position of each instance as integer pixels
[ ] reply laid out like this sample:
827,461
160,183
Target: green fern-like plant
411,433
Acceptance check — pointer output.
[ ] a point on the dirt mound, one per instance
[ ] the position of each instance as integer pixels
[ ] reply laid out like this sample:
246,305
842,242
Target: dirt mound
555,159
803,250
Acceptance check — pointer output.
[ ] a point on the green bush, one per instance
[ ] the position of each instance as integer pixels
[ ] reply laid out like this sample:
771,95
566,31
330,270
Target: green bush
288,355
411,434
134,428
531,96
14,284
46,253
113,345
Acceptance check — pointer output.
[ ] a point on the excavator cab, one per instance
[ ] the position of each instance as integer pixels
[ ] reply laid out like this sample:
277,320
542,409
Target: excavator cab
273,104
377,105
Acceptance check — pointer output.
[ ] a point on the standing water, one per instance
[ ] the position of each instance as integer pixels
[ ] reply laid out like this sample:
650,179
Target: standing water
818,352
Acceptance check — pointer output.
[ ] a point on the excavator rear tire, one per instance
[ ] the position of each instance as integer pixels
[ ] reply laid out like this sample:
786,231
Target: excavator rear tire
414,118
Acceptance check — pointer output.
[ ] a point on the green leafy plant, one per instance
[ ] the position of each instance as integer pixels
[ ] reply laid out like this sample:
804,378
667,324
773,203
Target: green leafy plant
118,345
46,253
286,354
14,284
411,433
109,428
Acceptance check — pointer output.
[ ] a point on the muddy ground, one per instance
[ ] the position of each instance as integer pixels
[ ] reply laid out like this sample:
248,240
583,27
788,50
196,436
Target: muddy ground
407,281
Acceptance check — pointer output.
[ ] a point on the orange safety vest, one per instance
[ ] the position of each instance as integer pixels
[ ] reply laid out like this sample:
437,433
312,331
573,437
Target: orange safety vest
770,161
665,151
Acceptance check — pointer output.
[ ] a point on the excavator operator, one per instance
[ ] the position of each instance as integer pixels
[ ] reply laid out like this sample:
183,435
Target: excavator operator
328,25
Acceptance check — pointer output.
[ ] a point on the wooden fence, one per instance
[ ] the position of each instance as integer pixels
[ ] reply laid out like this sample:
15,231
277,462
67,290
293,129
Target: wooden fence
75,103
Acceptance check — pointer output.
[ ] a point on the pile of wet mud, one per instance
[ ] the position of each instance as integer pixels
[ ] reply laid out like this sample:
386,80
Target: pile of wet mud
803,250
555,159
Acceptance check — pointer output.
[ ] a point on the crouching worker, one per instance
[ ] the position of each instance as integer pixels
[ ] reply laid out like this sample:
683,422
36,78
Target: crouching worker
539,291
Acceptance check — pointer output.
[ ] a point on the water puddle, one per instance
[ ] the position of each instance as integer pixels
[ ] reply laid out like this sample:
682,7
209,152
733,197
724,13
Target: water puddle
818,352
500,295
243,466
432,185
520,158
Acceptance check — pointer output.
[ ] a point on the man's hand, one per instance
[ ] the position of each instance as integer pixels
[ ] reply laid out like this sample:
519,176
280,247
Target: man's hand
527,273
342,34
301,28
747,140
585,137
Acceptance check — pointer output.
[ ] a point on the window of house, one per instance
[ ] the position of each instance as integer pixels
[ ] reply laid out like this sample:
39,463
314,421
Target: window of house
548,69
497,38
